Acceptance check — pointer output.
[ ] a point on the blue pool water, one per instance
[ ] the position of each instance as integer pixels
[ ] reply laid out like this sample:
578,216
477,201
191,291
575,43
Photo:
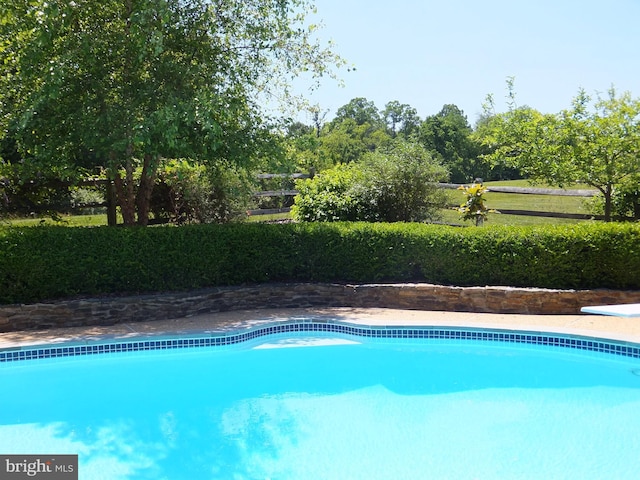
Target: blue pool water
333,407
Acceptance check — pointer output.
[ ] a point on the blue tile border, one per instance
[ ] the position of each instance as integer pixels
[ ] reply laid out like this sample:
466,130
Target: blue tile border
620,348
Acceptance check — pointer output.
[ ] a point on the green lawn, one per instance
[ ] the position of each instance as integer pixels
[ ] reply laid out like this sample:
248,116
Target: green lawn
452,217
68,220
519,201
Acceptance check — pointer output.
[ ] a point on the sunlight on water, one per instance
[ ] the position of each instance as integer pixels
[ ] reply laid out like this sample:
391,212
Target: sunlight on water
373,433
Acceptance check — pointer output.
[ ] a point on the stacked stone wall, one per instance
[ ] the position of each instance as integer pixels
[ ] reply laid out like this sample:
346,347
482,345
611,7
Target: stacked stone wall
113,310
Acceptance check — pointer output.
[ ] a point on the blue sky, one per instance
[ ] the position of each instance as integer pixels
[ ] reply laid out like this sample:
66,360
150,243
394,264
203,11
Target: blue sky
427,53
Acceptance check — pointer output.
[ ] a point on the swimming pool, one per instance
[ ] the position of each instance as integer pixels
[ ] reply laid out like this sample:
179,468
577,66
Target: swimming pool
349,402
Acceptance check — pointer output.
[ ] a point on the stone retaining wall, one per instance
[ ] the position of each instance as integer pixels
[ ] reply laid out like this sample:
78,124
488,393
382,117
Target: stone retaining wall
112,310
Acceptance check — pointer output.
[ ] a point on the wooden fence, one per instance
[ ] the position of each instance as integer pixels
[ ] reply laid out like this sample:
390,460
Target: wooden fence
495,189
540,191
110,202
275,193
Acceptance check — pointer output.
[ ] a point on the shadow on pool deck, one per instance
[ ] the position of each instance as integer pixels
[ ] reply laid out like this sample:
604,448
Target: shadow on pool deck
627,329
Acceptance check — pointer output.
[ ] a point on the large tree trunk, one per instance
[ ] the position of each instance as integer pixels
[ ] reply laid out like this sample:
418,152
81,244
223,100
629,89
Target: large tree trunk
126,202
125,189
147,180
135,201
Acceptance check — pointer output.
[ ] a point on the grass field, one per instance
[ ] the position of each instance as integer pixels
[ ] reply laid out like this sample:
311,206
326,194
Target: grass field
519,201
68,220
494,200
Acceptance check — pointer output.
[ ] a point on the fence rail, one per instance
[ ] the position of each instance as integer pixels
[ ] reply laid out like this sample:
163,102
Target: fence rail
531,190
545,191
110,202
535,213
539,191
452,186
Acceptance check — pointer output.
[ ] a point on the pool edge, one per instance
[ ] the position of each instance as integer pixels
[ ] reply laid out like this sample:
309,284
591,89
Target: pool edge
319,325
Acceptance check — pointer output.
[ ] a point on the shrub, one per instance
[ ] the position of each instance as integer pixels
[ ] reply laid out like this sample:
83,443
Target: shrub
187,192
327,197
49,262
398,184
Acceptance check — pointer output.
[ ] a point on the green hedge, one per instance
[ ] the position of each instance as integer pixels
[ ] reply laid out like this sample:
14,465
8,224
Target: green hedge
43,263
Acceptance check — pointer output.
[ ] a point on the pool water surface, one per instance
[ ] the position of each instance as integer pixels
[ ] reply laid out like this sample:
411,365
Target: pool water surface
303,406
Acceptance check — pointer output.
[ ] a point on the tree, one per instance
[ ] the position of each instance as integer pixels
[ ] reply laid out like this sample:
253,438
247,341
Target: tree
361,111
597,144
491,170
401,119
515,138
348,141
604,142
318,118
301,143
134,81
449,135
356,129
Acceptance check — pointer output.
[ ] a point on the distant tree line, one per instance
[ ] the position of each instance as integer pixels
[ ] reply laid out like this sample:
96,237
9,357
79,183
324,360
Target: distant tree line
359,127
594,142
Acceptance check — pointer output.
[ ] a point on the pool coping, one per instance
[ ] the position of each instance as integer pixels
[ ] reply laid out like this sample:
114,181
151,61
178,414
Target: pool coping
587,332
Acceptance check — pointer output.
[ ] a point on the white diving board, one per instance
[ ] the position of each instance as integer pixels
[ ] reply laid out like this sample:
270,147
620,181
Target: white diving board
627,310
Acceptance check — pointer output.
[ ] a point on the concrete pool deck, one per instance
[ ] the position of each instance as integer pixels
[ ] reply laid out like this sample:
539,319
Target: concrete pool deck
615,328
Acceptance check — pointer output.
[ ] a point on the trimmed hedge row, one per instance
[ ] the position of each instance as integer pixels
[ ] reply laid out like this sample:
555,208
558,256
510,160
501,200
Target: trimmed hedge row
45,263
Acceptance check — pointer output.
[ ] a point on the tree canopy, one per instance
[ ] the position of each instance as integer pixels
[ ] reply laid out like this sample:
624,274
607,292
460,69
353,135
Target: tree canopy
360,128
126,83
596,143
401,119
361,111
449,134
